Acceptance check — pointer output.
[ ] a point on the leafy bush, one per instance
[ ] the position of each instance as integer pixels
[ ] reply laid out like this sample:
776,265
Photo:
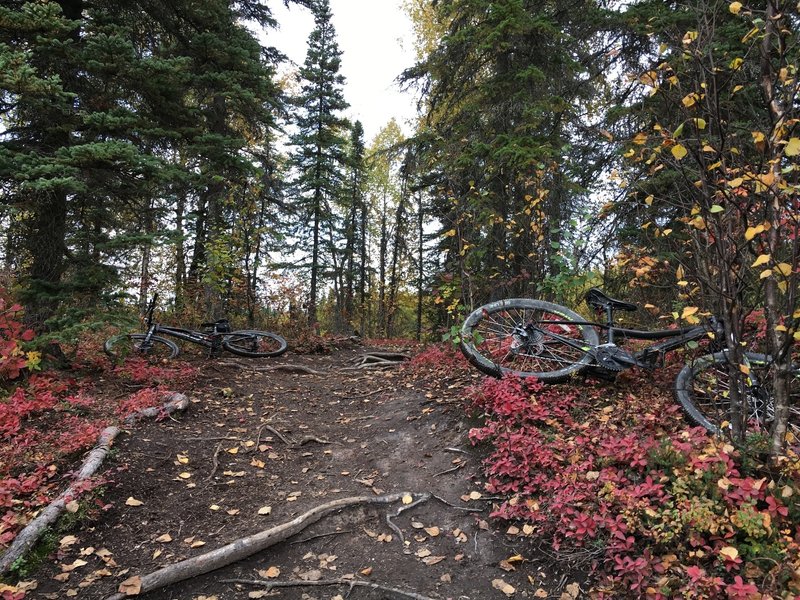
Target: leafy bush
616,481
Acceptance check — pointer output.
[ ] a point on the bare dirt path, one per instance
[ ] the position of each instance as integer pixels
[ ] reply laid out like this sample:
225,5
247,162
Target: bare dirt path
258,448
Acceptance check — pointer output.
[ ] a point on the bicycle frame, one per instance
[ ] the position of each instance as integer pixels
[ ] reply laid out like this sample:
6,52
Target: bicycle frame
650,357
212,341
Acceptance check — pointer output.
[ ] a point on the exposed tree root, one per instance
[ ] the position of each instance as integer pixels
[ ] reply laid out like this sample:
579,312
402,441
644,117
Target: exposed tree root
247,546
377,360
268,586
33,531
30,534
288,368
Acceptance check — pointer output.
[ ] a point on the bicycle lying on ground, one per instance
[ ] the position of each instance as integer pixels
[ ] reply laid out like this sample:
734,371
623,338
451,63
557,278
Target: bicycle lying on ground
215,336
534,338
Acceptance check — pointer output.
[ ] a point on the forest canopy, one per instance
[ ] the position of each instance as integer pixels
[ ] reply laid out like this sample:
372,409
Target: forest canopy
646,146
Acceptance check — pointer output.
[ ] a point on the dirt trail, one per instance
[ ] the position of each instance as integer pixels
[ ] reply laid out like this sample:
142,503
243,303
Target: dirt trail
256,449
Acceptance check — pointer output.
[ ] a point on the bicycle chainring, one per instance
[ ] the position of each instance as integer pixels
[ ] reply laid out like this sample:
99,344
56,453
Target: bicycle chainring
613,358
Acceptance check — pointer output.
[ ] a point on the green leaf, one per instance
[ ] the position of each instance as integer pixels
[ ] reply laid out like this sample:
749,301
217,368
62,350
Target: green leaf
716,208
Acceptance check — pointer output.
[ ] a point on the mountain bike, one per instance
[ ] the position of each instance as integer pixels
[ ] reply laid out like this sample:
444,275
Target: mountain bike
215,336
535,338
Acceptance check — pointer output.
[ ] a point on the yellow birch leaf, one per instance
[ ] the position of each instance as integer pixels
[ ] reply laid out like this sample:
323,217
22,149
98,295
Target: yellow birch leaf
761,260
765,274
678,151
753,232
450,233
784,269
735,7
792,147
688,311
736,182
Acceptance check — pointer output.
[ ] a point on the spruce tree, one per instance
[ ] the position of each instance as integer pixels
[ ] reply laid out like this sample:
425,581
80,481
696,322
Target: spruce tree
319,148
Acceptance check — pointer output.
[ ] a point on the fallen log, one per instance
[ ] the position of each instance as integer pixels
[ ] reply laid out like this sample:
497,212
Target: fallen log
32,532
247,546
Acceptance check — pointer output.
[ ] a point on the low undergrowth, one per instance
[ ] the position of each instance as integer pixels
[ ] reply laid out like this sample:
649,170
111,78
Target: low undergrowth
615,480
50,418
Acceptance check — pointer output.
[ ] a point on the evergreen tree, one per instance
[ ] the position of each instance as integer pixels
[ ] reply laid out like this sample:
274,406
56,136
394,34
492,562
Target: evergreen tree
320,143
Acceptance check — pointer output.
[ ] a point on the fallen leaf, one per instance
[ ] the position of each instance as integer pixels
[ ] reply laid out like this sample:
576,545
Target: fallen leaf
67,541
71,567
234,450
432,560
265,510
233,511
446,578
214,507
131,501
432,531
423,552
131,586
185,475
504,587
366,572
408,499
197,544
270,573
71,593
164,538
62,577
72,506
183,459
259,594
157,553
475,495
541,593
312,575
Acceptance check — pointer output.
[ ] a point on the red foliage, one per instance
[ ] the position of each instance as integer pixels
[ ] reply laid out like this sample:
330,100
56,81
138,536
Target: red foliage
49,419
656,509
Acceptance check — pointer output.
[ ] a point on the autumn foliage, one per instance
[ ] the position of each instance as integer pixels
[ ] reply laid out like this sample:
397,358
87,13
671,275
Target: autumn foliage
49,418
616,481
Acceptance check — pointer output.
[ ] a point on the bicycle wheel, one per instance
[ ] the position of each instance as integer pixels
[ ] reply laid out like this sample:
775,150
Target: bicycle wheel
703,389
156,348
530,338
254,344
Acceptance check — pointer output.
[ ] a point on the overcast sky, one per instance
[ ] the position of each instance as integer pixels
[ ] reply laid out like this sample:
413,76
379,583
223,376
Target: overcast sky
375,38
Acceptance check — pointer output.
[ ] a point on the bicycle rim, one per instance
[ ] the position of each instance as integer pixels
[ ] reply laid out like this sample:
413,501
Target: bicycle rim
254,344
704,390
529,338
133,345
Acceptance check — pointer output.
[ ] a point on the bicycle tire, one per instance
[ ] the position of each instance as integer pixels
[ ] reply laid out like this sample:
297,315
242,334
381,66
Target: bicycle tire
489,343
122,346
703,389
254,344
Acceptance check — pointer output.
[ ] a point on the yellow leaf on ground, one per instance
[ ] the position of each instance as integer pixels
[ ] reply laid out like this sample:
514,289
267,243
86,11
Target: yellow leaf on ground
504,587
265,510
729,552
131,501
164,538
408,499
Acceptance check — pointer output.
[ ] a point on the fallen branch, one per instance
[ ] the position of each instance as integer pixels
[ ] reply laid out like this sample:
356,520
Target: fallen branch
268,586
33,531
30,534
214,462
288,368
247,546
174,403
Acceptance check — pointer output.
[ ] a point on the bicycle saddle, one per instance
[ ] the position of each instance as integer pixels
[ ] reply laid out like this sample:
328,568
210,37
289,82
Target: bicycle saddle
222,325
598,299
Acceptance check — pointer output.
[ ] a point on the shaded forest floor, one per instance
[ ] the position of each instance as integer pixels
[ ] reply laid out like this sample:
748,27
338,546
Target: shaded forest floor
258,448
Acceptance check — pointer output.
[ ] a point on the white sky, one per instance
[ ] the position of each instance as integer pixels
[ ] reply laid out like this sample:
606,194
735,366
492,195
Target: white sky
375,38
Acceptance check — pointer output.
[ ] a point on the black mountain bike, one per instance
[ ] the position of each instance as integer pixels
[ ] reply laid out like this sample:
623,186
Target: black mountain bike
534,338
215,336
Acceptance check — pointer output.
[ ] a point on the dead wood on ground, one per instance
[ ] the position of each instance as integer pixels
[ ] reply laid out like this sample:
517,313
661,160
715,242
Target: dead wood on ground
247,546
